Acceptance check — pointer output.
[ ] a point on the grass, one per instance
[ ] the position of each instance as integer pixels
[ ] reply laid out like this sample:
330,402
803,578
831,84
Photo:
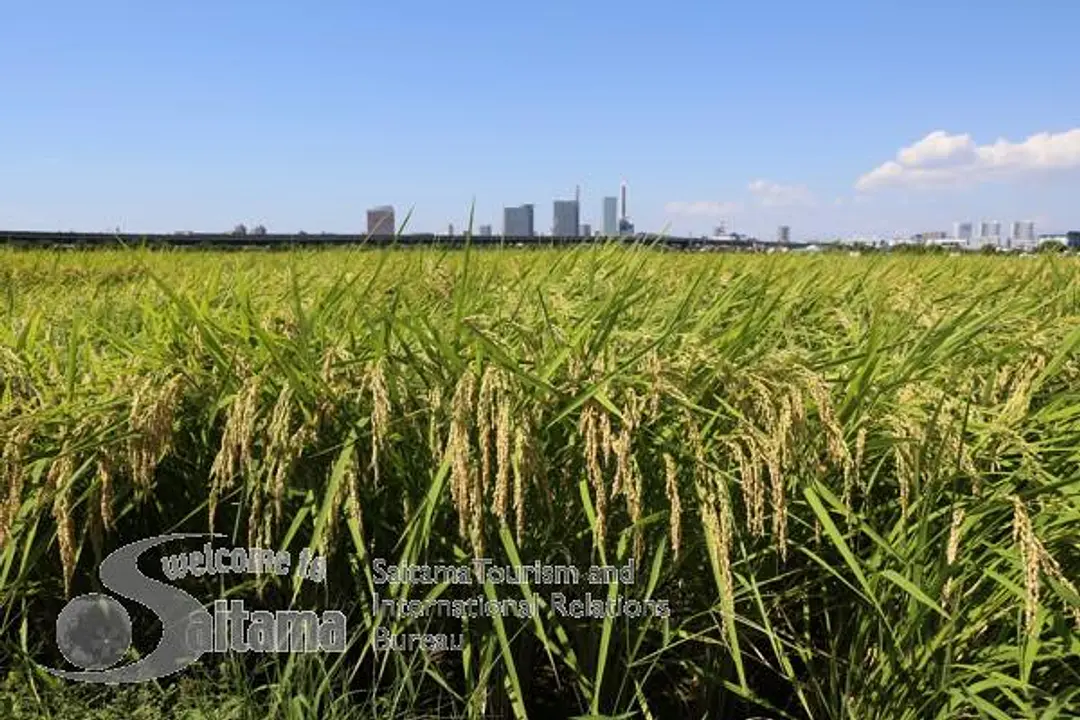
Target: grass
853,479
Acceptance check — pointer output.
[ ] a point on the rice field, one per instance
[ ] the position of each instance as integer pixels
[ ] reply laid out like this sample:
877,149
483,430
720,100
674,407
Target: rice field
852,480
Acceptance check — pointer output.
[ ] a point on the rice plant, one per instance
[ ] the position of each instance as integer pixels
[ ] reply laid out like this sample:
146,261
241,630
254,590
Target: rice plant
852,480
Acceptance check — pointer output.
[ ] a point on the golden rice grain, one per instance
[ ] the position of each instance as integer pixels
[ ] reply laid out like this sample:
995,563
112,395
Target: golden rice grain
280,448
753,490
58,485
435,403
777,498
13,474
952,549
589,428
458,446
523,465
674,502
655,369
106,491
607,445
235,455
151,419
629,479
353,507
860,453
1024,537
484,407
1050,566
503,434
380,413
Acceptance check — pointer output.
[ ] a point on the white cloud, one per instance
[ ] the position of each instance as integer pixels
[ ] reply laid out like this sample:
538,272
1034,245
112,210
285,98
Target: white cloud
941,158
702,208
771,194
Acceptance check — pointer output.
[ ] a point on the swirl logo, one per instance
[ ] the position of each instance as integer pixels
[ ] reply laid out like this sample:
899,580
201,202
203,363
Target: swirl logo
93,631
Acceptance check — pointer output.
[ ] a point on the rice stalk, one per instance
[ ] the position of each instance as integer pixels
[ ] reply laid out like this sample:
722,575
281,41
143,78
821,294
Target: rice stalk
151,419
236,454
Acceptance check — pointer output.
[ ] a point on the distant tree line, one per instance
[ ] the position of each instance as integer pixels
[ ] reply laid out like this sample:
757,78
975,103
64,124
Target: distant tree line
241,230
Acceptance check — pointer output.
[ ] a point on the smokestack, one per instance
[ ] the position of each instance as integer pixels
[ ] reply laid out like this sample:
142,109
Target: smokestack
622,192
577,209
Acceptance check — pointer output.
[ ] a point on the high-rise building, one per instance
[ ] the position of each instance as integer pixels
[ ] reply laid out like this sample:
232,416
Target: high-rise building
530,219
962,231
518,221
989,233
380,220
783,234
586,230
611,216
566,218
485,231
1023,234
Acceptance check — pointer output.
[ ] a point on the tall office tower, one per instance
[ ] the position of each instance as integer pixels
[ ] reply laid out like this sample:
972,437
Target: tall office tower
995,229
380,220
783,234
485,231
586,230
611,216
530,220
566,218
984,230
1023,233
962,231
450,230
518,221
1029,232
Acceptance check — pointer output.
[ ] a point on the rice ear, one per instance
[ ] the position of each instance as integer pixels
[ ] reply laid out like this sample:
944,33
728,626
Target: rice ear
674,502
58,484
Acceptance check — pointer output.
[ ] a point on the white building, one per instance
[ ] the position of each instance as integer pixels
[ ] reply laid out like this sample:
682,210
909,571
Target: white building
989,234
380,220
1023,234
962,231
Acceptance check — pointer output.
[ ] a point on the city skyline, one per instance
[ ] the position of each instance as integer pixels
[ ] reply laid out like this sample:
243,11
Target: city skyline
842,127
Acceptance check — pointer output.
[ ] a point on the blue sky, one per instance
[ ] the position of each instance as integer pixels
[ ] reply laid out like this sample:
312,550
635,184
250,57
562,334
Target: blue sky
160,116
